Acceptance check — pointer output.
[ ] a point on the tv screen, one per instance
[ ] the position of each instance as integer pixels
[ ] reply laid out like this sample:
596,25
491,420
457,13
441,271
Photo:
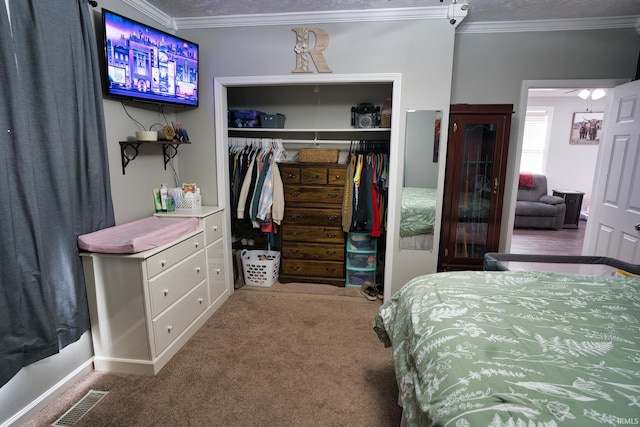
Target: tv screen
146,64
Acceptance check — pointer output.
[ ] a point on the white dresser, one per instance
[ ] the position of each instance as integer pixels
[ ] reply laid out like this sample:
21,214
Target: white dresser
144,307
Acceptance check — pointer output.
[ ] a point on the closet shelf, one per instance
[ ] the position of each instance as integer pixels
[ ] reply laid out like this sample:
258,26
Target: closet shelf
169,149
309,135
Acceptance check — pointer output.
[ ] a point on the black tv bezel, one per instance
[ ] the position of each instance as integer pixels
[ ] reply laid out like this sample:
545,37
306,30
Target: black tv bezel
132,97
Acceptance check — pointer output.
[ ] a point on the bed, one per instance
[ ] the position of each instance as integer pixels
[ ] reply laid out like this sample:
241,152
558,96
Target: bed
515,348
417,218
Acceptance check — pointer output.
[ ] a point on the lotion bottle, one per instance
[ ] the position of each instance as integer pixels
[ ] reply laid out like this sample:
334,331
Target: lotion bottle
164,192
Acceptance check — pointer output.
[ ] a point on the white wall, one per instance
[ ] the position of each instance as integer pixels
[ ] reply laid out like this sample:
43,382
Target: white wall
569,167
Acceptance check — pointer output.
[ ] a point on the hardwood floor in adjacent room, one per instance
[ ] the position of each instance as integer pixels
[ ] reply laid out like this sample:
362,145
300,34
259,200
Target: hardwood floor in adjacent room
567,241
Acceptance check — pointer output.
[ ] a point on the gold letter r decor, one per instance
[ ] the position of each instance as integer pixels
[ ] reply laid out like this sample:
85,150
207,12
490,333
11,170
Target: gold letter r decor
303,52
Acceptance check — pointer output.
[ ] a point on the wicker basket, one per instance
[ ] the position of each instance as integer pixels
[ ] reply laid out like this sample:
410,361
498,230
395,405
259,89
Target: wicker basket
318,155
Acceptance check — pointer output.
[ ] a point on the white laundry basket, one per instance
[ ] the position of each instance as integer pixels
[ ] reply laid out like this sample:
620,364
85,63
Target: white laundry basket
260,267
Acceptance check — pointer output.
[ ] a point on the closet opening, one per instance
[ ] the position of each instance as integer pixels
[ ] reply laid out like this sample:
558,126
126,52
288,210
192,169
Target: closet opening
311,194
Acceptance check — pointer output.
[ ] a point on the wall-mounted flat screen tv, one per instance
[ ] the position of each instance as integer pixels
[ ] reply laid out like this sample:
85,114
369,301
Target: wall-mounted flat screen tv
148,65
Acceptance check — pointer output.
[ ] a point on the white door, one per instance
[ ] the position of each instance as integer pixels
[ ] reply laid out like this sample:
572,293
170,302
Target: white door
613,228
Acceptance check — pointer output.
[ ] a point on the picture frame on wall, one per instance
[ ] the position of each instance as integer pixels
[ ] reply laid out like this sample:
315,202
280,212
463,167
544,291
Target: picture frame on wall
586,127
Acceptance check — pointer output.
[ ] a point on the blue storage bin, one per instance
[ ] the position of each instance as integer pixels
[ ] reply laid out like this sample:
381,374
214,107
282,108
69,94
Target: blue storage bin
246,118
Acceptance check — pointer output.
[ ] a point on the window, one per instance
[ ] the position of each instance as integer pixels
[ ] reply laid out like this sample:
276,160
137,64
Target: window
537,126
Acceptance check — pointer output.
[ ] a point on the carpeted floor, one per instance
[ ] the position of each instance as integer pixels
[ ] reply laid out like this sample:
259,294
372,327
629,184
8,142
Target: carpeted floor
265,358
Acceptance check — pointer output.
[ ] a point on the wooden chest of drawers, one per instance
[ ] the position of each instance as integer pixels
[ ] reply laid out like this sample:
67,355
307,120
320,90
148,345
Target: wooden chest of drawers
313,243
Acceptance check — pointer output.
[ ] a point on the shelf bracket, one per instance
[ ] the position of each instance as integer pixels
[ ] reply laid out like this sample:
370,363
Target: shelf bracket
126,158
170,151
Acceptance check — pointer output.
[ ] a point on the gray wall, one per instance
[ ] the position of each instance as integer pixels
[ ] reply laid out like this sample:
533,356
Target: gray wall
491,68
487,68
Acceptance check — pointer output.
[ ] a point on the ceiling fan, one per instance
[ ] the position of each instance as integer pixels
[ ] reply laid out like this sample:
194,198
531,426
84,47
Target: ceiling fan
585,94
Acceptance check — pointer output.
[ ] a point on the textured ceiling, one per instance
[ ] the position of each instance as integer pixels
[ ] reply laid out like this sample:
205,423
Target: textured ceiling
479,10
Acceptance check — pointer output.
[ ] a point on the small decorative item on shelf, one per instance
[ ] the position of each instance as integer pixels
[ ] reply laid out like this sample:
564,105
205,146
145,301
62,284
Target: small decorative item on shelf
181,134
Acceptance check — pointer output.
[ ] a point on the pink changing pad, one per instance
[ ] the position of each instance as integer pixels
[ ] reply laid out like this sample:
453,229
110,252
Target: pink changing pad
136,236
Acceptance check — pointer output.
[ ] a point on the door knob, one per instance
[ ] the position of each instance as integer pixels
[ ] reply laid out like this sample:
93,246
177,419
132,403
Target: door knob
637,227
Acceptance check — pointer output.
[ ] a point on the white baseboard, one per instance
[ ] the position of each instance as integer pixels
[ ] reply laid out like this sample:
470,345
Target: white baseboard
32,409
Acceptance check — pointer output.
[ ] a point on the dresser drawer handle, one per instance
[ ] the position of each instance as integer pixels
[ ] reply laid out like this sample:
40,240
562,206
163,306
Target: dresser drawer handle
198,269
331,234
165,292
295,193
163,262
338,177
218,271
294,268
200,300
294,216
215,228
332,217
294,251
330,269
169,328
333,195
331,252
294,233
291,175
314,176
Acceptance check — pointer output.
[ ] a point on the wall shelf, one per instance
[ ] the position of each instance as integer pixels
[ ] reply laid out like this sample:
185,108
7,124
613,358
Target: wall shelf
312,135
169,150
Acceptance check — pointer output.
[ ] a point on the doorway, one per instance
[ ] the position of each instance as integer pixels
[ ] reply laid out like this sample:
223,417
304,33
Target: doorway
566,164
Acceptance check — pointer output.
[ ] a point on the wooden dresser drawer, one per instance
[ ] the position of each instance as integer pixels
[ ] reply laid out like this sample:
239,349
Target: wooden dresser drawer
316,217
213,227
313,268
313,194
313,251
170,324
171,256
289,174
167,288
336,176
296,233
313,175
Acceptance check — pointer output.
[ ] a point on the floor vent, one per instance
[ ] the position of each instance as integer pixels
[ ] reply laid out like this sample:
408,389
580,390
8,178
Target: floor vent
81,407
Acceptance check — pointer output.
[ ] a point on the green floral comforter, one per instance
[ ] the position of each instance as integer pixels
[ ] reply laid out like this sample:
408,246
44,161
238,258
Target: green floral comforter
527,349
417,211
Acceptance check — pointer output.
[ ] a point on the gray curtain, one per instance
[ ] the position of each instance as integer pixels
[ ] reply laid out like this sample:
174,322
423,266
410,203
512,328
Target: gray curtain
54,175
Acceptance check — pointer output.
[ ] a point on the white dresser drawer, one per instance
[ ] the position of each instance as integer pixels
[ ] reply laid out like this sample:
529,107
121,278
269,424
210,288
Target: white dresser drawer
167,288
171,256
169,325
213,227
215,265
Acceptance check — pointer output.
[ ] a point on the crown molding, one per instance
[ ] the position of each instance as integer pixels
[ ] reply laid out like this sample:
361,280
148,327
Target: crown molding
153,13
302,18
551,25
372,15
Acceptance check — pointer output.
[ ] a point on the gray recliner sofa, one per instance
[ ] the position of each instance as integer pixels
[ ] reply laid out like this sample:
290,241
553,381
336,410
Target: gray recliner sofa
537,209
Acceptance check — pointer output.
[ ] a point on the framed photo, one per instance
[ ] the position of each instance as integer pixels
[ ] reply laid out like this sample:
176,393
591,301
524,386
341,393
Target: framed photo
436,136
585,128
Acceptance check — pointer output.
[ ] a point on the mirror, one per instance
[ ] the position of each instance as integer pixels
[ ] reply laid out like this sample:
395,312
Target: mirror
418,206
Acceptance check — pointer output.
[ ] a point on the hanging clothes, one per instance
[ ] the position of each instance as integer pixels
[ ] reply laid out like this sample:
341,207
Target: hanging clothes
256,184
365,203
